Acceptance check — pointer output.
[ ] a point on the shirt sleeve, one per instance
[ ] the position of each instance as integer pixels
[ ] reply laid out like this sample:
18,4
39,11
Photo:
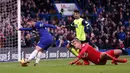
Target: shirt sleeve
70,26
26,29
41,25
87,25
50,26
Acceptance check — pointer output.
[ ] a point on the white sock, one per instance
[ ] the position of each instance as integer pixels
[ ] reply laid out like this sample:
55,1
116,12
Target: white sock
33,54
38,57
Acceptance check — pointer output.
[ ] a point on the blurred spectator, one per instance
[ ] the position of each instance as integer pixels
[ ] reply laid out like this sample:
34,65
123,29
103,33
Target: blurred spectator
121,46
127,40
121,34
114,43
2,39
61,42
107,44
100,44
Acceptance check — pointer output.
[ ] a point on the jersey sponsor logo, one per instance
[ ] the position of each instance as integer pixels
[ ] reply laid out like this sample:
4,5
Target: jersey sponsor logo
85,55
41,25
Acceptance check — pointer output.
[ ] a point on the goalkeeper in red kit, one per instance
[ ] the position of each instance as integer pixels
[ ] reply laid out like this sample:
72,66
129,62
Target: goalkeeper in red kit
96,57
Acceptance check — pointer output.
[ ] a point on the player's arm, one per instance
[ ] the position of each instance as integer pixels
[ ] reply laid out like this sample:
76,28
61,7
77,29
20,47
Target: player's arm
46,25
73,62
87,25
25,29
70,26
80,56
50,26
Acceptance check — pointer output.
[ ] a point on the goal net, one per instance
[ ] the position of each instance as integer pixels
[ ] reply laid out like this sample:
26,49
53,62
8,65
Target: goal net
8,30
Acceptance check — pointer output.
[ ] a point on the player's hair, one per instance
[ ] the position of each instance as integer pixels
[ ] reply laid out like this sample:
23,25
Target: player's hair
76,40
76,11
30,19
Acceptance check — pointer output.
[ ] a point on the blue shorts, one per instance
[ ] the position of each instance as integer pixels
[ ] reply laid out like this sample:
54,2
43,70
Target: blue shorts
45,43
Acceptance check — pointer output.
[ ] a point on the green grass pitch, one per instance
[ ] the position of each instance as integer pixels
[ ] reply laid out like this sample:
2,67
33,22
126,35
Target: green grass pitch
61,66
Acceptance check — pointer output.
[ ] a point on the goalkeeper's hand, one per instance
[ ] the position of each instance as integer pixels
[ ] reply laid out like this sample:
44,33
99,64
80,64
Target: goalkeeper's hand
71,63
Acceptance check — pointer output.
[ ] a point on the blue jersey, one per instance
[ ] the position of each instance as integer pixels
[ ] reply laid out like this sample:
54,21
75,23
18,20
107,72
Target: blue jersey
41,28
46,39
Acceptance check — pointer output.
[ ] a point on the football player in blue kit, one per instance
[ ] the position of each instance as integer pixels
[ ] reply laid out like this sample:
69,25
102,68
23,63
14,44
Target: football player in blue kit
46,39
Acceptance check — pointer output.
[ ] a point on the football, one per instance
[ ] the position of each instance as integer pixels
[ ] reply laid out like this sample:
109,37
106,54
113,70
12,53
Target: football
23,64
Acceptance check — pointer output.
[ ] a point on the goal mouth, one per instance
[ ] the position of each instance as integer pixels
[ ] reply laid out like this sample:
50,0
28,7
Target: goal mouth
8,30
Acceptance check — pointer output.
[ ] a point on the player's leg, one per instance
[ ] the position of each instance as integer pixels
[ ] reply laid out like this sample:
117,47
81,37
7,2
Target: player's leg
46,43
34,53
117,53
114,53
111,56
104,57
38,57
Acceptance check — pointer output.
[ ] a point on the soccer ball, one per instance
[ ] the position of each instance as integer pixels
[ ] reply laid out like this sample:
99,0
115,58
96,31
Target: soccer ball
23,64
22,61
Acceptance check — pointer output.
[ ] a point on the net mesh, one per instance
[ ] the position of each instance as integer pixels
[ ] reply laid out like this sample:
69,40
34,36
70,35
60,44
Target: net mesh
8,32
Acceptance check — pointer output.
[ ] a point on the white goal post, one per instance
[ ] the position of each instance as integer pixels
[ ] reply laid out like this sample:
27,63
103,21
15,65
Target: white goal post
19,25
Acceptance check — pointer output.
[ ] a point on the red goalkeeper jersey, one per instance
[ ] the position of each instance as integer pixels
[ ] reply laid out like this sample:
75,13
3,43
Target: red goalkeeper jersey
90,53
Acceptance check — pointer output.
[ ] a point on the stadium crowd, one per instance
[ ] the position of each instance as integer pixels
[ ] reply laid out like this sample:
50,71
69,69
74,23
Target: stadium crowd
110,20
8,24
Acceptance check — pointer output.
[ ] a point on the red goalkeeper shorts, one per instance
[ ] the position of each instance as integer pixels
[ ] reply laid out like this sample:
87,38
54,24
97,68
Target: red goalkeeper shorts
110,52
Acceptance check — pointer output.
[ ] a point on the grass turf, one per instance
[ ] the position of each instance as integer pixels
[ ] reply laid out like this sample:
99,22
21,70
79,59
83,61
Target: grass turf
61,66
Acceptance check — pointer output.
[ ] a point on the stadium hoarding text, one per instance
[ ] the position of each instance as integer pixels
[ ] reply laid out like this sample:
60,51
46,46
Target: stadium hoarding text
51,53
67,8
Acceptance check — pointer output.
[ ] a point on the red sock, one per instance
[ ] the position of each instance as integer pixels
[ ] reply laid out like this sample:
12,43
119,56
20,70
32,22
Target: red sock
121,60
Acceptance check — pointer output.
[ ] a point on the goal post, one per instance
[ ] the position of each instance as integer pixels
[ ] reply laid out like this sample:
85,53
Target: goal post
19,25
